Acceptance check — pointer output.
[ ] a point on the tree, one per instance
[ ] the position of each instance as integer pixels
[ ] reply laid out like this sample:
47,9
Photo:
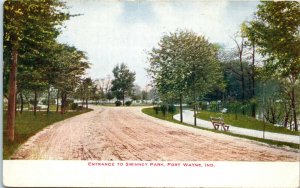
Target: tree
184,63
24,21
240,49
202,68
275,29
145,95
72,66
251,42
122,84
166,67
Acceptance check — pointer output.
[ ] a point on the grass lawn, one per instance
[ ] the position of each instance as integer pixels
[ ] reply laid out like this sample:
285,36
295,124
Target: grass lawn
27,125
246,122
168,117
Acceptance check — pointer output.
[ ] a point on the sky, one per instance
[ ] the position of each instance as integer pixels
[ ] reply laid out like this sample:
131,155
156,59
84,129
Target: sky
123,31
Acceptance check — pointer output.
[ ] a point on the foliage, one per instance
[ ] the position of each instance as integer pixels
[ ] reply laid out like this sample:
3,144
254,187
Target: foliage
118,103
156,109
275,30
122,84
164,109
128,103
74,106
185,64
171,109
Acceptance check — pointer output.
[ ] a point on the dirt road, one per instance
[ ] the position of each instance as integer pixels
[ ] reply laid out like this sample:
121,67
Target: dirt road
125,133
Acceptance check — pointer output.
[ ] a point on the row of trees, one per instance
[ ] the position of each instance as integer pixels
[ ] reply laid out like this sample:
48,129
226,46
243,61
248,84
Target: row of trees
121,86
261,75
34,62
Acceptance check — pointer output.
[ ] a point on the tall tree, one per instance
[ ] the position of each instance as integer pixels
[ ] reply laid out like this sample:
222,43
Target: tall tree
240,49
167,67
276,32
184,63
122,84
73,64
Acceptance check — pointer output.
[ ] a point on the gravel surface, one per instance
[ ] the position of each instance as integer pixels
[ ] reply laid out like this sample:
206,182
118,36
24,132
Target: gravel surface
125,133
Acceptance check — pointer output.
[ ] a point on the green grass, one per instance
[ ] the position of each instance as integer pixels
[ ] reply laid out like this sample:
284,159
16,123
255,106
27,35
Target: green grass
27,125
151,112
168,117
246,122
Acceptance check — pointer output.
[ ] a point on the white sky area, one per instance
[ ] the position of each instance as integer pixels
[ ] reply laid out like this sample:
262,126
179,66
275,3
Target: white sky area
112,32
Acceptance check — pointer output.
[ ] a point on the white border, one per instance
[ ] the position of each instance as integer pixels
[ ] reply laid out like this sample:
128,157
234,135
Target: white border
26,173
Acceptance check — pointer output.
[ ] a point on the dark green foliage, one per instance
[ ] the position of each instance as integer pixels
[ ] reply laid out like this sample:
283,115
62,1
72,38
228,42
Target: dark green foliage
156,109
171,108
128,103
118,103
74,106
122,84
164,109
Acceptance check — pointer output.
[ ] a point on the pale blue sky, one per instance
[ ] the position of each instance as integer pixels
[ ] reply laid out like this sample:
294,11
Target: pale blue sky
115,31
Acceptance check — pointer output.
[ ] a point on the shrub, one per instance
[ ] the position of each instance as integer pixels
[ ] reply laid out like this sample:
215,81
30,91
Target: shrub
172,108
74,106
128,103
164,109
203,105
118,103
156,109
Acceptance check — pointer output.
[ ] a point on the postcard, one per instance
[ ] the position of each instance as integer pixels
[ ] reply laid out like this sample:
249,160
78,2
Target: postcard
142,93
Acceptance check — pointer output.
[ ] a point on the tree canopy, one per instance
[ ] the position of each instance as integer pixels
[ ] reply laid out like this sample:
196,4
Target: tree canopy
123,82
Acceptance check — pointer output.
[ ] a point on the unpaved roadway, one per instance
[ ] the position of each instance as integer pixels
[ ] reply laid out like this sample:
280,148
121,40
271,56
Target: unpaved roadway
125,133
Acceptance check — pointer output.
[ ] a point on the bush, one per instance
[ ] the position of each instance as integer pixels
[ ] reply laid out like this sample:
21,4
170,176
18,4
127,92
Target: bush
164,109
74,106
128,103
156,109
118,103
172,108
203,105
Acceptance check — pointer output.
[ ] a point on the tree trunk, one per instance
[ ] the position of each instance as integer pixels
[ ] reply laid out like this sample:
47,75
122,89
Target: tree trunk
11,114
35,102
63,103
286,117
195,117
243,82
253,80
181,116
57,98
22,102
172,106
16,103
294,110
123,94
86,103
240,50
48,100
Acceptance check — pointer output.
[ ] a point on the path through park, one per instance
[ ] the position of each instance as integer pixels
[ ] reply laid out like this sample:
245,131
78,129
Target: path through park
125,133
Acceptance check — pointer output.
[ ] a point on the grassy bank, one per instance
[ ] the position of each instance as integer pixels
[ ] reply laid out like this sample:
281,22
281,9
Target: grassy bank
246,122
27,125
168,117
